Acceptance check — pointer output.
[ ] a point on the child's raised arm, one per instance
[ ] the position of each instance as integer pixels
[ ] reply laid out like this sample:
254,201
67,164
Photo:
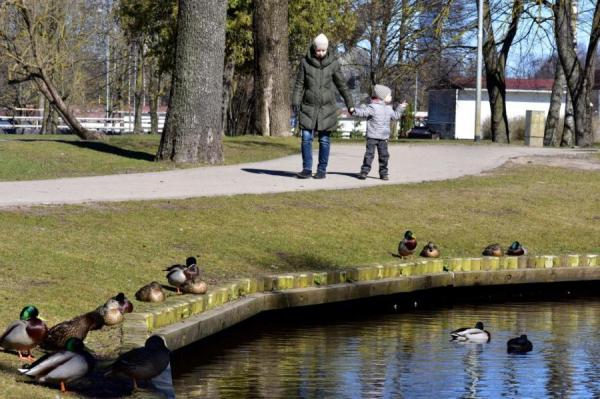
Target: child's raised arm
364,112
397,114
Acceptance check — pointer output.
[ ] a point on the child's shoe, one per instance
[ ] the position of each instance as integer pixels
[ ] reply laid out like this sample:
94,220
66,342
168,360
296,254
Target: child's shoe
361,176
385,177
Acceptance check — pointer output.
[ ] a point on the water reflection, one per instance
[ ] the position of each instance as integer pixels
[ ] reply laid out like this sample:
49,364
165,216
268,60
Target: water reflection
402,355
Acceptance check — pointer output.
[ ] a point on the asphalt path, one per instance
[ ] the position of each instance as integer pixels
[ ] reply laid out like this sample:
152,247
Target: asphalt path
409,163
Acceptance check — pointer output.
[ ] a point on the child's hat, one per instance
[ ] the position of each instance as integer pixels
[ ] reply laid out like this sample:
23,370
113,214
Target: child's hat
321,42
382,92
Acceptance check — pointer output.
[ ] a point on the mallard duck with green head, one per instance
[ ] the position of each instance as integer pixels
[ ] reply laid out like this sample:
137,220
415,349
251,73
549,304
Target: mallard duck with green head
62,367
152,292
477,334
142,363
177,275
493,250
430,251
24,334
407,245
516,249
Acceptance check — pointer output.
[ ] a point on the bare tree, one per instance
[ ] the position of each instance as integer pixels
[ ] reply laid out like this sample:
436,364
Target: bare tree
193,131
23,38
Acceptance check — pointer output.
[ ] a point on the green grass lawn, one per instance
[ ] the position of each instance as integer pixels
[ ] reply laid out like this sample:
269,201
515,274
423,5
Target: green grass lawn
30,157
67,260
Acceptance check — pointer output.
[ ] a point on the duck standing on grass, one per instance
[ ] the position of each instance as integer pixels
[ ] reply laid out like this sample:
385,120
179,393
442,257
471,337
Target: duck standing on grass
152,292
516,249
519,345
63,366
142,363
24,334
493,250
407,246
476,334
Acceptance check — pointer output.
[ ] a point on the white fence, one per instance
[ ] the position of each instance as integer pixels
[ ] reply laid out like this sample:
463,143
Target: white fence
119,125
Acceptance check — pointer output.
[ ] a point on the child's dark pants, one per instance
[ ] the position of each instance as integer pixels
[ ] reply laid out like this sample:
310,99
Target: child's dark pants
382,152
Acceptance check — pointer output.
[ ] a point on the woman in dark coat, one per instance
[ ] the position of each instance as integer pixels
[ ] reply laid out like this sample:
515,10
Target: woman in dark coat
314,102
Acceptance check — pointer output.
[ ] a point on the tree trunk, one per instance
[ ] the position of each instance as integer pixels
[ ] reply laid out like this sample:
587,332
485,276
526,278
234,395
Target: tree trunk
139,89
49,124
193,127
46,87
154,77
227,95
271,73
495,69
551,136
568,133
580,79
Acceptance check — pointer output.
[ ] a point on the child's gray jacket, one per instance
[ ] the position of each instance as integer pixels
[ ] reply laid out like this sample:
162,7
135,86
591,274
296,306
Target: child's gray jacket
378,115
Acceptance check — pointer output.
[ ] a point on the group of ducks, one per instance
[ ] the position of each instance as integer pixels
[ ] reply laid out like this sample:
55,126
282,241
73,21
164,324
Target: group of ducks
185,279
66,358
408,246
477,334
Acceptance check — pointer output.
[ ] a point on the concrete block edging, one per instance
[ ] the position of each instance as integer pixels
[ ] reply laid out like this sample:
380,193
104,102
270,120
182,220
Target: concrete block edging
185,319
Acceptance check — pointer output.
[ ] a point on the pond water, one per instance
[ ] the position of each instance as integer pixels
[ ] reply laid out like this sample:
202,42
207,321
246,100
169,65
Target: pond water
376,351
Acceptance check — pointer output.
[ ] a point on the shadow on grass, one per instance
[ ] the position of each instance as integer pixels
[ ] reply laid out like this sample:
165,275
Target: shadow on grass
106,148
283,173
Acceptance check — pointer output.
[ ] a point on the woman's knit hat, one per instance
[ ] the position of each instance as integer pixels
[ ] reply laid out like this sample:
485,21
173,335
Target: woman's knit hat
382,92
321,42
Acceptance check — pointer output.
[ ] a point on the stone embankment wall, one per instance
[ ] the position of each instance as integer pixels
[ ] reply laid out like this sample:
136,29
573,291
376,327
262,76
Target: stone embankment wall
185,319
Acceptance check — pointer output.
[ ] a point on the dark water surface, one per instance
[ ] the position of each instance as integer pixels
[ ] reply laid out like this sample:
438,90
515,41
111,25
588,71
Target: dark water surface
386,353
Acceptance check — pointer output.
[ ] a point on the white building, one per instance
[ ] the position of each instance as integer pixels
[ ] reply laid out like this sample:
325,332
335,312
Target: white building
452,109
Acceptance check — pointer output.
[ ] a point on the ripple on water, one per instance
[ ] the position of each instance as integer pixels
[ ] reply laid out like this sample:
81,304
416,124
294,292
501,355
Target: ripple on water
403,355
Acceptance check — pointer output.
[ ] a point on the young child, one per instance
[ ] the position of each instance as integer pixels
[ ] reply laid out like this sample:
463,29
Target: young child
379,114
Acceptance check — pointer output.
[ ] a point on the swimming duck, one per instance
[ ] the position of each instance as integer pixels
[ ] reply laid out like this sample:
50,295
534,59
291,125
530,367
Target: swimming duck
493,250
519,345
152,292
430,251
477,334
63,366
408,244
516,249
24,334
142,363
453,334
194,286
77,327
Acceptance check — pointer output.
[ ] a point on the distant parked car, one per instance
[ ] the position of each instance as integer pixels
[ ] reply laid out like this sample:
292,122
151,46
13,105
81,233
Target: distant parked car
6,126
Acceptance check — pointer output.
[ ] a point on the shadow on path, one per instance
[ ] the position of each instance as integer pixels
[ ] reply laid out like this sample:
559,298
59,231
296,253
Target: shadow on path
283,173
286,173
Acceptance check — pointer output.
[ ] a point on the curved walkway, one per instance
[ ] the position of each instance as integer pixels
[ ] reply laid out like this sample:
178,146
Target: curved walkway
408,164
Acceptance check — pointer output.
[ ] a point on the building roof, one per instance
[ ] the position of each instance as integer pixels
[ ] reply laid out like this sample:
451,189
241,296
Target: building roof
511,83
